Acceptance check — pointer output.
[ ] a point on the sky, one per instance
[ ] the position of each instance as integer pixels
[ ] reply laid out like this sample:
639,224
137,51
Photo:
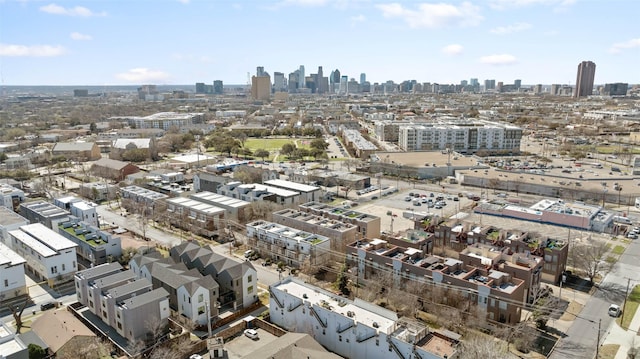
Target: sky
180,42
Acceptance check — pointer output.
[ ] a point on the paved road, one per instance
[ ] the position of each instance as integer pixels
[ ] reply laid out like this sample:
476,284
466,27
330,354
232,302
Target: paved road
582,335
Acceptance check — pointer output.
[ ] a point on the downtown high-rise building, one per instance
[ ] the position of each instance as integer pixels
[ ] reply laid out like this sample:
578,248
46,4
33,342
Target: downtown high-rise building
279,82
363,78
301,77
584,79
334,81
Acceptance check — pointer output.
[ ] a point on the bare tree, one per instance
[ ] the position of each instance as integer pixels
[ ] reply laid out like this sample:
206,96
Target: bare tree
89,348
17,313
590,259
482,346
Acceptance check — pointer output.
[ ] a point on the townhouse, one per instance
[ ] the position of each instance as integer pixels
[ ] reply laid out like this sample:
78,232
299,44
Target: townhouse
258,192
293,247
195,216
234,208
9,221
353,329
95,246
337,231
49,256
237,279
44,212
12,279
368,225
307,193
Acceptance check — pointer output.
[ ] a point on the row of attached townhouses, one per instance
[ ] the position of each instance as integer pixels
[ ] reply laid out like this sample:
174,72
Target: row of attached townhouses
353,329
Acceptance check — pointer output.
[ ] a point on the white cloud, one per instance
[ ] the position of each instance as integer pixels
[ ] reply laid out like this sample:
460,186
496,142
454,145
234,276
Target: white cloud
357,19
618,47
141,74
78,36
71,11
503,4
304,2
31,51
509,29
499,59
434,15
184,1
453,49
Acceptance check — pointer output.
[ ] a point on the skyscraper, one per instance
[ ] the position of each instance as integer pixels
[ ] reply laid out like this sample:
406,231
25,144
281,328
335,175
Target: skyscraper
517,84
301,77
218,87
261,87
363,78
335,78
584,79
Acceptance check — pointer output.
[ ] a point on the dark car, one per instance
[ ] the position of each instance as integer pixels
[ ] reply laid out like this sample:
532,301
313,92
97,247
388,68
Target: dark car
46,306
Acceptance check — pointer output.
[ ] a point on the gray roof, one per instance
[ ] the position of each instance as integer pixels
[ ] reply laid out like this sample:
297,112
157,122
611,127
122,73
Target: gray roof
100,271
73,146
111,164
130,287
292,346
113,279
143,299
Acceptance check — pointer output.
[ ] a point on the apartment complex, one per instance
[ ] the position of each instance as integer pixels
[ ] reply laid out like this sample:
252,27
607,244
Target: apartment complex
50,257
164,120
195,216
135,196
353,329
237,279
523,245
496,293
584,79
191,294
95,246
127,304
465,136
338,232
361,147
12,280
291,246
368,225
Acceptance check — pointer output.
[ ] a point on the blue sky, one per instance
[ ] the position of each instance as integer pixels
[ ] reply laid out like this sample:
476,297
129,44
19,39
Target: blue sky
187,41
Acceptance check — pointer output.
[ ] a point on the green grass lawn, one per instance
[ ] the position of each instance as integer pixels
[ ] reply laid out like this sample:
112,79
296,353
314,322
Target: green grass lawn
630,308
269,144
618,250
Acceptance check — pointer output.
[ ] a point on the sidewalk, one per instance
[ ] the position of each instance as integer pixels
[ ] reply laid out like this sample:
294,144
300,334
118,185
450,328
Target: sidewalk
626,338
576,300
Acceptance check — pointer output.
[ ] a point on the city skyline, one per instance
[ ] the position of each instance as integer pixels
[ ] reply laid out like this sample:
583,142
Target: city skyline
184,42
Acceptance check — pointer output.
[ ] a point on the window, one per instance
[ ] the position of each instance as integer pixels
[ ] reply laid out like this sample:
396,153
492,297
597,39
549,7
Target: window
340,338
250,289
54,269
200,298
63,267
201,310
249,278
6,282
119,325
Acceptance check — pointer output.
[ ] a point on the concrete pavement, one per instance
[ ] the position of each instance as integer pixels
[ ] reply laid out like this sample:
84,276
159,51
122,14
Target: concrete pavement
626,338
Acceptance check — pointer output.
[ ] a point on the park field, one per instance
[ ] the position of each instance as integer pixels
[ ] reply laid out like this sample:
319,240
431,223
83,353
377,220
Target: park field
274,144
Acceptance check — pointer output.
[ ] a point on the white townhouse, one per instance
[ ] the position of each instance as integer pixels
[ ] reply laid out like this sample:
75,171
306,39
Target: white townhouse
50,256
12,280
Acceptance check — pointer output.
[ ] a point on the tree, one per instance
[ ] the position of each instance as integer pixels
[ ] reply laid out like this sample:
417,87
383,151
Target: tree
319,143
127,254
36,351
262,153
317,153
287,149
93,127
589,258
482,346
135,155
248,174
17,313
342,280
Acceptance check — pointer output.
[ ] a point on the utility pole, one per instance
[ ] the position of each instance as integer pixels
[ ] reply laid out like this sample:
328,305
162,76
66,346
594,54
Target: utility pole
624,304
598,342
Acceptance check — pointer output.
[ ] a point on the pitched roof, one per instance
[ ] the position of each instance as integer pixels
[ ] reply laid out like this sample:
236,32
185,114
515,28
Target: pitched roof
73,146
292,346
126,143
57,328
111,164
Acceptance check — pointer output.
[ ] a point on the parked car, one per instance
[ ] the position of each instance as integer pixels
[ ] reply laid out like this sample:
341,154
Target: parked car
46,306
408,199
251,333
614,310
196,356
248,253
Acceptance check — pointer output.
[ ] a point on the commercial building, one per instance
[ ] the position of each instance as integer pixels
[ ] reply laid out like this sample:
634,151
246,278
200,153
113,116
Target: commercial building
95,246
50,257
307,193
77,151
293,247
261,87
122,148
113,169
616,89
12,280
339,232
330,178
352,329
258,192
465,136
237,279
584,79
368,225
496,293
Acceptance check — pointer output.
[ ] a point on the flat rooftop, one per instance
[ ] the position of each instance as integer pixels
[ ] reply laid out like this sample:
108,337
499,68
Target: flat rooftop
299,187
9,257
9,217
364,313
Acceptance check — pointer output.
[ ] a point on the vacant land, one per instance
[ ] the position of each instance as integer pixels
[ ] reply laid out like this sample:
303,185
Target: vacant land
269,144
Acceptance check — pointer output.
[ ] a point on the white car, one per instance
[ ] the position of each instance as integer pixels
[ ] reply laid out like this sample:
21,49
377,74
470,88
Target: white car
251,333
614,310
196,356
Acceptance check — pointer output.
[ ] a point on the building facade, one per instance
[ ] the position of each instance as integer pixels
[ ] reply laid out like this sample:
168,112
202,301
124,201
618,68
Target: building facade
584,79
